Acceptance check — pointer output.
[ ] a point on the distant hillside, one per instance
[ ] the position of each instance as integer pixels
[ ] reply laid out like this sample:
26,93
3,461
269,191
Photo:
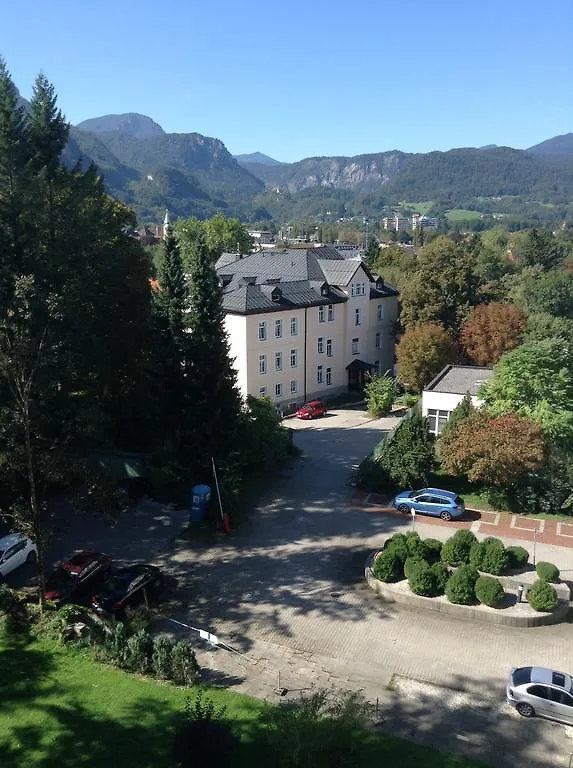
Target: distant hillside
130,123
561,146
256,157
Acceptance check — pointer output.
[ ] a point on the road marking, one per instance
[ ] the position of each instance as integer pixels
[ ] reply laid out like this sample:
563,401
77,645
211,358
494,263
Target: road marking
560,533
540,527
496,516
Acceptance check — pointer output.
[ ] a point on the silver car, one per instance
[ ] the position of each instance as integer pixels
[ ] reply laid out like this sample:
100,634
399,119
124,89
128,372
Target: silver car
540,691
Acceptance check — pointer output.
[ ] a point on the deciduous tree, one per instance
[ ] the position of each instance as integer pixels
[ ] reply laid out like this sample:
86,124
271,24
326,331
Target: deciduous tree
491,330
422,353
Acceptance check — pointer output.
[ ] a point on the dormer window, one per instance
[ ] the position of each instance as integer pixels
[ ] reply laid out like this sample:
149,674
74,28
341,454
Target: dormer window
276,295
379,283
324,289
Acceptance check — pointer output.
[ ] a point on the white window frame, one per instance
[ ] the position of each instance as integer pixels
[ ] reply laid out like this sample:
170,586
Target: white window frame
321,314
320,345
294,326
278,361
437,419
355,343
319,374
329,352
278,390
262,391
328,377
293,358
378,340
263,330
262,364
352,289
357,317
293,386
330,313
278,329
380,312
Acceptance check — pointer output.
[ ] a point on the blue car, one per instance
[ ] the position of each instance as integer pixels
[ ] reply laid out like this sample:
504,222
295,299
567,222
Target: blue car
430,501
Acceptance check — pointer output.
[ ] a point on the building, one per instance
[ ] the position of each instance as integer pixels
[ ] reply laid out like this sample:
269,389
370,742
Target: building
305,323
396,223
448,388
427,222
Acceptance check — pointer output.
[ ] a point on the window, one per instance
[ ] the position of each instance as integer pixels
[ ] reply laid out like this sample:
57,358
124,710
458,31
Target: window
278,329
437,420
293,386
380,312
363,289
330,312
262,391
278,390
328,377
319,374
293,358
355,347
263,331
541,691
356,317
321,314
378,337
320,345
329,347
278,361
262,363
352,289
294,326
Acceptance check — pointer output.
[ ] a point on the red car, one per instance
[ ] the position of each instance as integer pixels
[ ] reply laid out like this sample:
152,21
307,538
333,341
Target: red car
78,577
311,410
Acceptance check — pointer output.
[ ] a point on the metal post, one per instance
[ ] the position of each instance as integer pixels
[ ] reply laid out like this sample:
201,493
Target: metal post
534,542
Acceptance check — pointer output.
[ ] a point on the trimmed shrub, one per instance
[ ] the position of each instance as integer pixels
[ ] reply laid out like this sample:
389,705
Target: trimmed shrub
460,588
422,581
399,545
162,655
387,566
547,571
116,646
433,550
184,666
489,591
495,559
518,557
140,651
542,597
413,564
456,550
477,551
441,576
416,547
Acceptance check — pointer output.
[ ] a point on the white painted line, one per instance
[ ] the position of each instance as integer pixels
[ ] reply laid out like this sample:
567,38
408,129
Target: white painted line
566,535
496,519
540,524
474,527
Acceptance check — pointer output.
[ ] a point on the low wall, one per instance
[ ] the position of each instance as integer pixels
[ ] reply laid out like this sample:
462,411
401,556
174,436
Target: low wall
520,615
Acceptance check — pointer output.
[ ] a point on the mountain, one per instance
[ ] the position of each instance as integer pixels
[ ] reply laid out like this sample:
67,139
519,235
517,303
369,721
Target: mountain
560,146
256,157
130,123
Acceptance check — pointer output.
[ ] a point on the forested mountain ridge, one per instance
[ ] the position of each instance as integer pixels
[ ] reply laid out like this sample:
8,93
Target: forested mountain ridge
131,123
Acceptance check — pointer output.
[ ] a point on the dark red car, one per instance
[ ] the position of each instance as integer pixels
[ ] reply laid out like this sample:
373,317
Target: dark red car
78,577
311,410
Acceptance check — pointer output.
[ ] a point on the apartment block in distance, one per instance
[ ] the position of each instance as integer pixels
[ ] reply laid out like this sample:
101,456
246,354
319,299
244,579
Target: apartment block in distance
305,323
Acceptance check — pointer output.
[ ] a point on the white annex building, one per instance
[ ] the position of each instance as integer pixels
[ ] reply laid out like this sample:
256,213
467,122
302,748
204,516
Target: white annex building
305,323
448,388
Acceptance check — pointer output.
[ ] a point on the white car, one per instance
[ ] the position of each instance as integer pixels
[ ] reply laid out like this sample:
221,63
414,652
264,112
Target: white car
15,550
540,691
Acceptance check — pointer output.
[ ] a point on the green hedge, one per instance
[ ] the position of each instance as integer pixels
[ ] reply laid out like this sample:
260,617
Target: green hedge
456,550
433,550
542,597
489,591
413,563
518,557
547,571
422,580
460,588
388,566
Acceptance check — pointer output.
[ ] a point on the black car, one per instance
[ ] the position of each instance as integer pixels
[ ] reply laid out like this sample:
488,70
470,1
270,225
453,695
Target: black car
78,577
128,586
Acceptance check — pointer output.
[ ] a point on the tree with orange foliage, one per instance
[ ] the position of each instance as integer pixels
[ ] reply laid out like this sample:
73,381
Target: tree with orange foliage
496,451
490,331
422,353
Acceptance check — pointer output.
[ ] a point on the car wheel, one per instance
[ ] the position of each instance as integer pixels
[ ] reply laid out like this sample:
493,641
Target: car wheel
525,709
445,515
404,509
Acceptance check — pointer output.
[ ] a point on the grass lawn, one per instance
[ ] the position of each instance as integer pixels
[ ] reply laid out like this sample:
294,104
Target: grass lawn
462,214
61,709
422,207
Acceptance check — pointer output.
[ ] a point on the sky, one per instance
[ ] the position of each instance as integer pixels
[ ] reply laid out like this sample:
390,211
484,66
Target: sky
302,78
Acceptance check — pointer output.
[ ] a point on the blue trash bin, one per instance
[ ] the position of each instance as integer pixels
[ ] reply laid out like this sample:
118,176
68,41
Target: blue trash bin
200,497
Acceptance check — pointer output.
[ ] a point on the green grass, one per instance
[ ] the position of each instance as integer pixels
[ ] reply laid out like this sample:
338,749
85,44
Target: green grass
422,207
61,709
462,214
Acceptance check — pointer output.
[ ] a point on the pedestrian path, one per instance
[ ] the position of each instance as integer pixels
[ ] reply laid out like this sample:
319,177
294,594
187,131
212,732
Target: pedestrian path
508,526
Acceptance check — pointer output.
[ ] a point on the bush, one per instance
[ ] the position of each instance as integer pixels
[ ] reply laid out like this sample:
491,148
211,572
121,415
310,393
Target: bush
518,557
116,646
489,591
161,658
399,545
140,652
185,669
456,550
416,547
387,566
542,597
422,581
433,550
460,588
380,392
441,576
413,564
477,551
371,476
495,559
13,613
547,571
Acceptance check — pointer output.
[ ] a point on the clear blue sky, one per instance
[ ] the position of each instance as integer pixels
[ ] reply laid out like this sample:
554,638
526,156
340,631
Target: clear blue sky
299,78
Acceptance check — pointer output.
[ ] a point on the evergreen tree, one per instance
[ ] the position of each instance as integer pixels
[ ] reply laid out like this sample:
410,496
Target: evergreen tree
543,249
461,412
172,294
408,457
215,402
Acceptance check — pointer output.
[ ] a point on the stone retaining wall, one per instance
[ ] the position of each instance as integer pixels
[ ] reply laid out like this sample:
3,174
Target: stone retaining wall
520,615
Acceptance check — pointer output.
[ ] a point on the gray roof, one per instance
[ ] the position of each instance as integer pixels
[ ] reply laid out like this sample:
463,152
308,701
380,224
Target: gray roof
459,379
303,277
